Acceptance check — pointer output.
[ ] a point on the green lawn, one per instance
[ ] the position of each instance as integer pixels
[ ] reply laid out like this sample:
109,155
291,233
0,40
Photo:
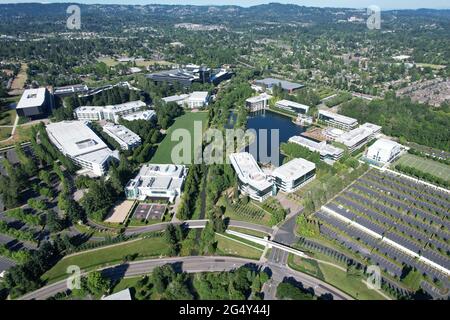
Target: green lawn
254,233
144,248
248,213
5,133
229,247
164,153
426,165
350,284
7,118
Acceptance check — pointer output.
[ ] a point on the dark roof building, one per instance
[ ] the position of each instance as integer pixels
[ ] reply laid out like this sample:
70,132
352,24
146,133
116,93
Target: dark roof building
288,86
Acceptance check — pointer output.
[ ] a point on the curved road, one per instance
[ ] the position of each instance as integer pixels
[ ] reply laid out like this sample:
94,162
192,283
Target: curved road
193,265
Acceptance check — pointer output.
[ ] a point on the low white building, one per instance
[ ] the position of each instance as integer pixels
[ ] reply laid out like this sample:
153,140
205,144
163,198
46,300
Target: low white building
294,175
157,181
357,138
194,100
77,141
337,120
292,106
327,152
384,151
252,181
126,138
112,113
260,102
142,115
124,295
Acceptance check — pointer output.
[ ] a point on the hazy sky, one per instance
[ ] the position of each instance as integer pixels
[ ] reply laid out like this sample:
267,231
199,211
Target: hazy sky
384,4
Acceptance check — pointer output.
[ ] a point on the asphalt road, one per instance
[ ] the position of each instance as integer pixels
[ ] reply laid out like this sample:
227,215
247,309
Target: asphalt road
194,265
197,224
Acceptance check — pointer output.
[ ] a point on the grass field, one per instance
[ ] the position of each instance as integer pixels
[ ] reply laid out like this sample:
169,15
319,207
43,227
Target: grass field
164,153
350,284
7,117
5,133
110,62
426,165
19,81
22,134
144,248
246,212
229,247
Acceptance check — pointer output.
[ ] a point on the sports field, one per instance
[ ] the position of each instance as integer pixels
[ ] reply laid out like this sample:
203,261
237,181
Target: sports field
426,165
164,153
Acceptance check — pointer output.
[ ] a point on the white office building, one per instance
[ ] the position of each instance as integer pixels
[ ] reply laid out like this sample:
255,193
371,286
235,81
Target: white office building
34,102
80,144
142,115
112,113
294,175
337,120
257,103
157,181
252,180
384,151
292,106
328,153
126,138
194,100
357,138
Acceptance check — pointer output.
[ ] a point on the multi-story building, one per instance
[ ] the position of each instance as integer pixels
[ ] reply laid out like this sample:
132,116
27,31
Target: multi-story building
126,138
142,115
337,120
159,181
34,103
357,138
112,113
294,175
287,86
328,153
252,181
70,90
292,106
384,151
196,99
77,141
257,103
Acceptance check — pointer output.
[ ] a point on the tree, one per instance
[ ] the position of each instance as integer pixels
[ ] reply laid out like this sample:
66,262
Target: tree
97,284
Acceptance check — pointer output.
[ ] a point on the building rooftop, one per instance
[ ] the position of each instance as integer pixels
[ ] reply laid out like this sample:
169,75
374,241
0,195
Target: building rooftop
122,133
294,169
175,98
322,147
32,98
261,97
383,148
160,176
142,115
126,106
354,136
292,104
121,295
75,137
286,85
248,170
338,117
199,95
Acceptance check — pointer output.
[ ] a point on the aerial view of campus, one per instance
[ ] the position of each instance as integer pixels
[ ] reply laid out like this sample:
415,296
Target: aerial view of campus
224,150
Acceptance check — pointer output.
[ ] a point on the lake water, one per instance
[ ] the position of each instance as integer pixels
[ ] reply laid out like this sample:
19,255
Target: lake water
273,121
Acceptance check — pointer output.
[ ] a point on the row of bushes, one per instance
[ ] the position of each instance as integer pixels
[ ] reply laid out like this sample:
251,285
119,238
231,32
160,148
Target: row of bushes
423,175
